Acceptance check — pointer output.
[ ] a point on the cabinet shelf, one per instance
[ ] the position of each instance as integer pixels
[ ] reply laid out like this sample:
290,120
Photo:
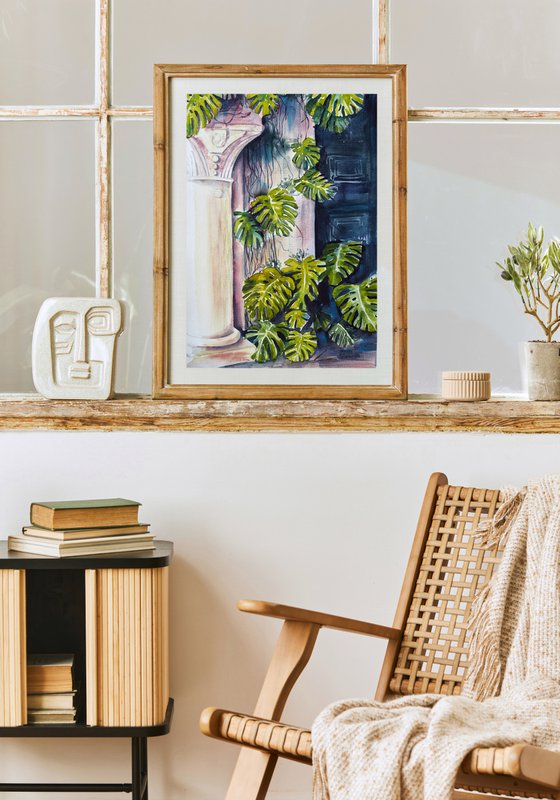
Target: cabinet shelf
83,731
160,557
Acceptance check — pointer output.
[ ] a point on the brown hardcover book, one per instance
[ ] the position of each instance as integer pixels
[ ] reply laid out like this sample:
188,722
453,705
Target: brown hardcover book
56,701
84,513
49,673
74,534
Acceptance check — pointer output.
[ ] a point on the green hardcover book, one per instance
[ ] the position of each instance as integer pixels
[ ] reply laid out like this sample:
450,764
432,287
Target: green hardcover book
84,513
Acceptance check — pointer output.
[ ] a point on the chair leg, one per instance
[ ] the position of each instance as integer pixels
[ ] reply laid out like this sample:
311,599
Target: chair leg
253,771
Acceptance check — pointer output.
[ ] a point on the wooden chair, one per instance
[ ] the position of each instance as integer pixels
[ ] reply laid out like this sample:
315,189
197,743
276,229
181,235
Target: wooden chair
425,653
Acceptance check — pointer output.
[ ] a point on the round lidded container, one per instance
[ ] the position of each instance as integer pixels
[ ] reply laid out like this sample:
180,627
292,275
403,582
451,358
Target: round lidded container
467,386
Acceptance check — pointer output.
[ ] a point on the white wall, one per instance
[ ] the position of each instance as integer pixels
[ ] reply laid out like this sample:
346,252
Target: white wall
317,520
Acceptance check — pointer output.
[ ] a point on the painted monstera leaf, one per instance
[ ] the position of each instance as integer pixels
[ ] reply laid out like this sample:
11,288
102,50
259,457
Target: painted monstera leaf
246,229
296,317
313,185
276,212
357,302
267,292
333,111
306,153
300,345
263,103
269,339
307,273
341,260
201,109
341,336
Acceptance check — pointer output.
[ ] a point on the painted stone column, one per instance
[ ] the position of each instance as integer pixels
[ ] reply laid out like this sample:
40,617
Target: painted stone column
212,339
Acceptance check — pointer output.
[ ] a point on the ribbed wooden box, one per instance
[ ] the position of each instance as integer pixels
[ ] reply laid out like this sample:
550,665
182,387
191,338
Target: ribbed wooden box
126,646
13,669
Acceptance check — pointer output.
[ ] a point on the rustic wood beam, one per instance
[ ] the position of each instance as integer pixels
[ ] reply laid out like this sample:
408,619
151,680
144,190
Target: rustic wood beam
144,413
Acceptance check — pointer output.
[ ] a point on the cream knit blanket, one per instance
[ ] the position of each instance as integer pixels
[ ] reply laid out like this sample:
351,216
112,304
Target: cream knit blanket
412,747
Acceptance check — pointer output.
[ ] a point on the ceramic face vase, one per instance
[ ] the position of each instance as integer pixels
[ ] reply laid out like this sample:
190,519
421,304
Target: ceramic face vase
73,350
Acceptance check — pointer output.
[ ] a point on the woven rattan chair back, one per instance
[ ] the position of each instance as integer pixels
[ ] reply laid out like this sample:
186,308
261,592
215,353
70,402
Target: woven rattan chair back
432,656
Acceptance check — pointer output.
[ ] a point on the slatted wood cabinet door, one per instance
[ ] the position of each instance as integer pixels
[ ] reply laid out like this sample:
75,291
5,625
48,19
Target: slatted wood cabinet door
127,664
13,661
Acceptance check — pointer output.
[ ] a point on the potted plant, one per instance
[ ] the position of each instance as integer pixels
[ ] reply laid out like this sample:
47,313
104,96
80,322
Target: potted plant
535,274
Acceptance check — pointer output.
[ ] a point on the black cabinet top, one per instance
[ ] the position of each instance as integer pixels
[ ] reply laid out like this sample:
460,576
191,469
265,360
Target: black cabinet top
142,559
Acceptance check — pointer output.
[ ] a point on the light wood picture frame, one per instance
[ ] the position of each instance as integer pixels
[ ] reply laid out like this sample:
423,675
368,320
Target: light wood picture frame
251,304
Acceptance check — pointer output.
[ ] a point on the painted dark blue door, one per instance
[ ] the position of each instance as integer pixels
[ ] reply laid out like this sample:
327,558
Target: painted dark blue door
349,160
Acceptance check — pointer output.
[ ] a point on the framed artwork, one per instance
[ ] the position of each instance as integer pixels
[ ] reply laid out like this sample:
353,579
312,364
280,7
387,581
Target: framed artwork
280,232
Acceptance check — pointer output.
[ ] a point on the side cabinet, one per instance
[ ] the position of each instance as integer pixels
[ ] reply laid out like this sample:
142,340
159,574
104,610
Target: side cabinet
13,653
111,612
127,669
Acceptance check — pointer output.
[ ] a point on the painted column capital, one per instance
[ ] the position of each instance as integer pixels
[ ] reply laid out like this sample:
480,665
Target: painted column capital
213,151
212,339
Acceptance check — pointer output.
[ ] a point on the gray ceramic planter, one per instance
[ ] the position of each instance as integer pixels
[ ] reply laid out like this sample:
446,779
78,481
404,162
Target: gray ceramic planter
543,370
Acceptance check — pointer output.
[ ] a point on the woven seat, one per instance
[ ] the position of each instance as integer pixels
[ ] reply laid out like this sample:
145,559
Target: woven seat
426,652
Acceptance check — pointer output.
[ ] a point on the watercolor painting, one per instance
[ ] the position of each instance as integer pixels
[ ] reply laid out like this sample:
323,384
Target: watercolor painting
280,231
281,234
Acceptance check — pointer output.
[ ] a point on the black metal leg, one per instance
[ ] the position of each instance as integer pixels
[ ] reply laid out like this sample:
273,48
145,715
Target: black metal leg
144,752
136,769
140,768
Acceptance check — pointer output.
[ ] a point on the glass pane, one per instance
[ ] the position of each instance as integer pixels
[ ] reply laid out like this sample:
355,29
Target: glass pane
473,190
297,32
478,53
132,252
47,204
48,51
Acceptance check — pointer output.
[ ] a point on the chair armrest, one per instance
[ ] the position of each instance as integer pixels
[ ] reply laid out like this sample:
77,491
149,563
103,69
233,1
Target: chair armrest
324,620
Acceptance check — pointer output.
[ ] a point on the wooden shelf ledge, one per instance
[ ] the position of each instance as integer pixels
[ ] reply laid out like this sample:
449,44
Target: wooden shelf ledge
419,413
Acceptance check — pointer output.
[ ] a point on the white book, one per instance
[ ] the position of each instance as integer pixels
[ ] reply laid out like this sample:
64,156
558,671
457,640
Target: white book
51,701
42,547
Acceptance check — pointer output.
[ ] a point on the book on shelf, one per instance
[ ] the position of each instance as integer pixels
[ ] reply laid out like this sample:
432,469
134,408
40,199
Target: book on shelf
74,534
51,701
46,717
83,547
84,513
49,673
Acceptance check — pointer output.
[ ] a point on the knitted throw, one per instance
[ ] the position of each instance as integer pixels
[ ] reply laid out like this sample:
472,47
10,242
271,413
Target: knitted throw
411,748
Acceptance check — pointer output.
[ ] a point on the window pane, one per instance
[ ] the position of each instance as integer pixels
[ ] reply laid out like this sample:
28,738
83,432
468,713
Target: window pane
478,53
47,48
473,190
47,204
132,252
174,31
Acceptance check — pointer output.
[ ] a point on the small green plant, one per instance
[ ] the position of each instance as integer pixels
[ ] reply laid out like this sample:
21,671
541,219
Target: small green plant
534,271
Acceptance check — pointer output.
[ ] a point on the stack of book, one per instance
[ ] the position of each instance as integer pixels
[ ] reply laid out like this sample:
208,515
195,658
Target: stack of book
50,689
83,528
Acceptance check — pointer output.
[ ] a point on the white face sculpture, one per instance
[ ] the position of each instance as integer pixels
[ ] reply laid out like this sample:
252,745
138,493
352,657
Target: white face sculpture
74,347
